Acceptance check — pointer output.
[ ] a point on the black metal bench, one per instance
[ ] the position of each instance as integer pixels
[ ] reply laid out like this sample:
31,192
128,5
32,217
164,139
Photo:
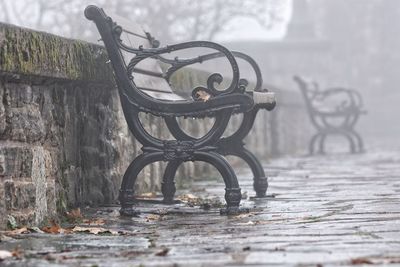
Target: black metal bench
135,57
333,111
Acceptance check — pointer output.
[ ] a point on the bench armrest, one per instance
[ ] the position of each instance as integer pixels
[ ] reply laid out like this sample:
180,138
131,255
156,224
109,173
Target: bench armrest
177,64
345,100
215,78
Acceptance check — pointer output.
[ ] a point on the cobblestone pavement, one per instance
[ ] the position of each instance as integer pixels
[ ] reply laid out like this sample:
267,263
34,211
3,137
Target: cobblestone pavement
337,210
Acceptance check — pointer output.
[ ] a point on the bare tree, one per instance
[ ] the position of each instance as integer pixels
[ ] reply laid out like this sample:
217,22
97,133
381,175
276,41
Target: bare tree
188,19
171,20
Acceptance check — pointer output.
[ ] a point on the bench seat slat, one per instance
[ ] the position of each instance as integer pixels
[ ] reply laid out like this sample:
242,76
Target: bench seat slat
148,72
148,76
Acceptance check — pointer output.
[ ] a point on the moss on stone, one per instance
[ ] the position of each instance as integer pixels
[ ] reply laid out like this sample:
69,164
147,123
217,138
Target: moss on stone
28,52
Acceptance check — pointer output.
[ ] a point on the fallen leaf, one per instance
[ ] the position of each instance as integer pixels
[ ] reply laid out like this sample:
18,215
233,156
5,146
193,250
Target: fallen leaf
23,230
262,222
93,230
131,254
153,217
162,252
187,197
74,215
148,195
190,199
202,95
4,254
359,261
55,228
244,215
94,221
35,230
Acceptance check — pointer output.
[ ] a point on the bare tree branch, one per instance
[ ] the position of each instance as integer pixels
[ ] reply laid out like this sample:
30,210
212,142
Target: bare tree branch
169,20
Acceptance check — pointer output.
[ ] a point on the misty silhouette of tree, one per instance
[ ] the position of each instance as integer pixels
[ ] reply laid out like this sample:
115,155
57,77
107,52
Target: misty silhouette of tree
170,20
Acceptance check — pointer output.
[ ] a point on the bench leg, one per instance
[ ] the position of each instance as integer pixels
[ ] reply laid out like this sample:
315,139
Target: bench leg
349,137
321,144
233,193
126,194
314,139
168,188
233,145
360,144
260,181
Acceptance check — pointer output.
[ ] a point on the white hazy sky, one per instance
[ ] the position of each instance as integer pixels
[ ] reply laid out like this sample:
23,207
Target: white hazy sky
254,31
240,29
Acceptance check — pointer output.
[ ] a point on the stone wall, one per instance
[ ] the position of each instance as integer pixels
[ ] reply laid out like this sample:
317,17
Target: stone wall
63,138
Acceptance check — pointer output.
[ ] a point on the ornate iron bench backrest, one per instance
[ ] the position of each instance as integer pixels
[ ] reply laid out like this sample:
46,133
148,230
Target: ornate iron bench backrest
335,99
121,36
309,90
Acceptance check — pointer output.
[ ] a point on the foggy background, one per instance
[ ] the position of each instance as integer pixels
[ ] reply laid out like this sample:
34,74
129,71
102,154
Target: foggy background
349,43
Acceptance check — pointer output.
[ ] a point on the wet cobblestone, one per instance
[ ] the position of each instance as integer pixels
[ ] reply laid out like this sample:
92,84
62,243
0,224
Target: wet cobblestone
337,210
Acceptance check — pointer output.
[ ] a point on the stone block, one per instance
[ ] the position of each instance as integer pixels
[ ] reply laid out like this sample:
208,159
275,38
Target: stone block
3,217
2,111
19,195
15,161
51,198
39,180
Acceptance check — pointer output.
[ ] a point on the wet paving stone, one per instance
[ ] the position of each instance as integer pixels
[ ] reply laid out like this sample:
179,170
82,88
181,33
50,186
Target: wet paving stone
336,210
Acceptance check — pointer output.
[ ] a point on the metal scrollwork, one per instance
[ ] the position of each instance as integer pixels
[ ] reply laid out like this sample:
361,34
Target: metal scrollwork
182,150
153,41
175,64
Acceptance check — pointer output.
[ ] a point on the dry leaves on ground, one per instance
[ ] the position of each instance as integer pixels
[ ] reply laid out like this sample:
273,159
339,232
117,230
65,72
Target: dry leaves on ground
23,230
204,203
375,260
360,261
94,221
162,252
74,215
188,197
149,195
54,228
153,217
94,230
